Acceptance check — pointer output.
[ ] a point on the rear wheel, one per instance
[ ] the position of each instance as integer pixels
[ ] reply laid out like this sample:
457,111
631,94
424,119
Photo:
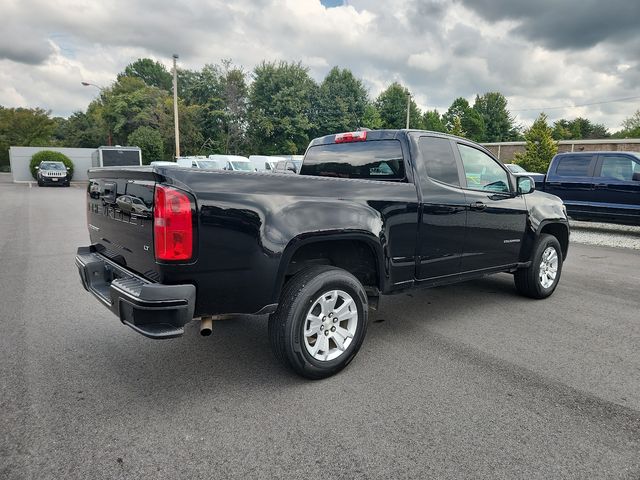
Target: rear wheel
541,278
320,323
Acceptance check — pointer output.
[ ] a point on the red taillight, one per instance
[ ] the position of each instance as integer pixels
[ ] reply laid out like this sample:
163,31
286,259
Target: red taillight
172,226
351,137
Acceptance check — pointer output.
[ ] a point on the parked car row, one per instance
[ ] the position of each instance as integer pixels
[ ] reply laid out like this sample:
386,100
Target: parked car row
237,163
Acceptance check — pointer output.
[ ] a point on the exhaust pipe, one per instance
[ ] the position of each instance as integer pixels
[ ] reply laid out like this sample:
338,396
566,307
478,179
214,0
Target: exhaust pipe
206,326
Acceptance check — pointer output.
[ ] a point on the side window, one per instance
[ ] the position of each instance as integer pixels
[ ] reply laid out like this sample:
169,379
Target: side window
619,167
439,160
482,172
194,165
574,166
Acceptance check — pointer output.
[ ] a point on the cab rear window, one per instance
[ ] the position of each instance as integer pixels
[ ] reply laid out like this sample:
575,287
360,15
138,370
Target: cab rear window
370,160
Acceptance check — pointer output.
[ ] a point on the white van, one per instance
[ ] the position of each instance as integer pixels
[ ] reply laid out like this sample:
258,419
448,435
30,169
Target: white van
235,163
264,163
199,162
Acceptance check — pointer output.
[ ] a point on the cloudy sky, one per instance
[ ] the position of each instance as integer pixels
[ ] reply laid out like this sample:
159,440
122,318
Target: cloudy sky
543,54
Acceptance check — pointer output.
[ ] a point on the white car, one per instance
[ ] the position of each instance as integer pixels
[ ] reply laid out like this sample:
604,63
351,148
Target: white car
264,163
235,163
199,162
163,163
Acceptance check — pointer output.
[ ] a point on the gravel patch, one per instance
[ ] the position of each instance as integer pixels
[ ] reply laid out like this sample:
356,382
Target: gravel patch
605,234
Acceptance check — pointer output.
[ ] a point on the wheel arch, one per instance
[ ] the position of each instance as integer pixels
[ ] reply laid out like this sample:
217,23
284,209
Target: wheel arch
359,253
560,230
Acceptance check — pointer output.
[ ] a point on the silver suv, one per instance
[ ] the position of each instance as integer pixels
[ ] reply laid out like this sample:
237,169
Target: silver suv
52,173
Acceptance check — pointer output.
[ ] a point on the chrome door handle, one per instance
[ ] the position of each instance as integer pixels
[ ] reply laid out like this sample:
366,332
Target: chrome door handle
477,206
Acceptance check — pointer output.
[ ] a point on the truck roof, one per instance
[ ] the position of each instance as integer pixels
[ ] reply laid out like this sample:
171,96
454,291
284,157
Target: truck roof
384,134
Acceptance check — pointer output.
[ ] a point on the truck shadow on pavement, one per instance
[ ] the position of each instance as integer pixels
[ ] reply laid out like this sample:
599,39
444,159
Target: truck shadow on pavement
237,356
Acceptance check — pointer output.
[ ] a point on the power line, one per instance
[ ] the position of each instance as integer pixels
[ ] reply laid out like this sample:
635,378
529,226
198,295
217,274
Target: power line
576,106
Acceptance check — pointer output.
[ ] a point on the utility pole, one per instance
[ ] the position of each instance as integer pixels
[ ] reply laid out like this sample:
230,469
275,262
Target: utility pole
408,107
175,104
87,84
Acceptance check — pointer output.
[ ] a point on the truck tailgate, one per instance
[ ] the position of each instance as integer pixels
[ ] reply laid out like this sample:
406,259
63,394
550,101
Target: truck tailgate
120,217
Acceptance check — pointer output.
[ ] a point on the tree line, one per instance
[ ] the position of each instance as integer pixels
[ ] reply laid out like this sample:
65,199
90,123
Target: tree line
275,109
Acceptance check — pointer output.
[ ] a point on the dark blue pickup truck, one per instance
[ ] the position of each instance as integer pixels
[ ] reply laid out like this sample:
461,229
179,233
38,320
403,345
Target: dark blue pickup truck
602,186
597,186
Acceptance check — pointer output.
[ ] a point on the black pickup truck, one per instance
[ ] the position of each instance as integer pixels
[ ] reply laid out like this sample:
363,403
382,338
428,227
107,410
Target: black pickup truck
371,213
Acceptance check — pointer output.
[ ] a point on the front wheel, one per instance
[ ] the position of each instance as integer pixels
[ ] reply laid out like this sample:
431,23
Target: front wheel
541,278
320,322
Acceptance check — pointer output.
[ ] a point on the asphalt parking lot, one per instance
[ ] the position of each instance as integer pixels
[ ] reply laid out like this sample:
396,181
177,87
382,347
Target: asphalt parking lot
466,381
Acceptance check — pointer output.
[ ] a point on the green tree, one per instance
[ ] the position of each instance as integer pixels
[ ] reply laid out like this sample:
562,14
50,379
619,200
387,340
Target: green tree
234,95
81,130
499,125
456,128
130,103
632,123
150,72
561,130
371,118
471,121
630,127
202,87
578,128
222,93
24,127
150,142
281,100
433,122
540,147
392,105
191,133
342,100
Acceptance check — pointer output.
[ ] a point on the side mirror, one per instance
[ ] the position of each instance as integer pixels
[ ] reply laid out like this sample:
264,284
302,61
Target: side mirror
525,184
37,168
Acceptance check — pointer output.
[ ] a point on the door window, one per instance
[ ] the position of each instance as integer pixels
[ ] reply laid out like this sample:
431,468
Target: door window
619,167
482,172
439,160
574,166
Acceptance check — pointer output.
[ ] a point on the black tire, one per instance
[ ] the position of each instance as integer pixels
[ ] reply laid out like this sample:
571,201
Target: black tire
286,325
39,183
527,280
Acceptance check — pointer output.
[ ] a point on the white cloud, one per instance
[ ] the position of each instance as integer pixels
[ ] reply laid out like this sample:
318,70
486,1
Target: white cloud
440,50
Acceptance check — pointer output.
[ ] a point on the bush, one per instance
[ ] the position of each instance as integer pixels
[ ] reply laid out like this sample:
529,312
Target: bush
50,156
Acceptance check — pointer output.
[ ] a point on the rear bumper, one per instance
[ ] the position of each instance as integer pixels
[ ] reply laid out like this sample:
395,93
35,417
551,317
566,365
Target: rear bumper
151,309
54,180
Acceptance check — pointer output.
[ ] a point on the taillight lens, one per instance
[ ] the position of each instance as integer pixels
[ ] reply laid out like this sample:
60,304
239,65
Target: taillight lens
172,224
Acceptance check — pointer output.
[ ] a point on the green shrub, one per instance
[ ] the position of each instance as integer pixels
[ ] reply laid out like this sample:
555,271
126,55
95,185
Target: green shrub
50,156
